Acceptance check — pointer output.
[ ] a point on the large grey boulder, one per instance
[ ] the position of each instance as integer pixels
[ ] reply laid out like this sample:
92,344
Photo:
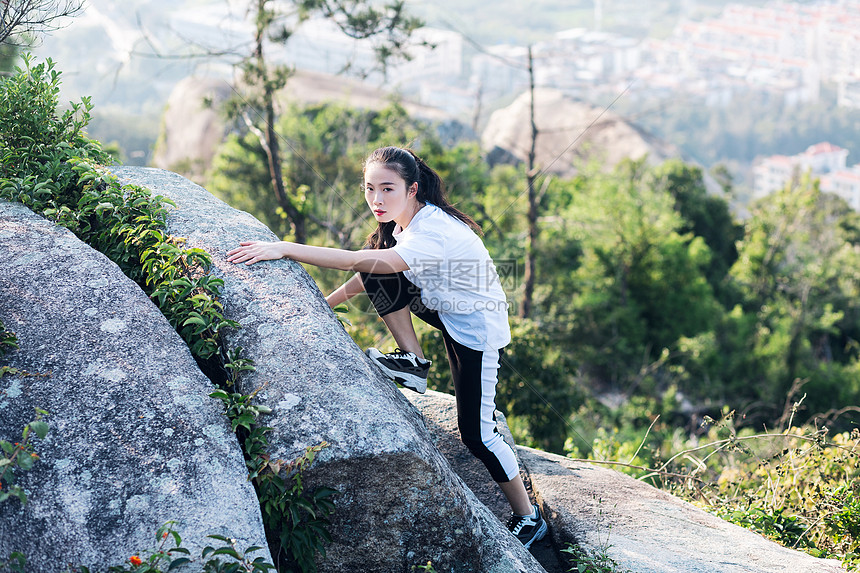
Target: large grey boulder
400,503
646,530
134,439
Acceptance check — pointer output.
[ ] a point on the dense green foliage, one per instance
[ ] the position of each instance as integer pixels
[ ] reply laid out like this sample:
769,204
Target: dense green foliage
296,519
21,456
168,554
50,165
8,340
328,144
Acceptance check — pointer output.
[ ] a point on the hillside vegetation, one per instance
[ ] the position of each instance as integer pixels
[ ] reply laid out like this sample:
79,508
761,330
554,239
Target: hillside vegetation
716,357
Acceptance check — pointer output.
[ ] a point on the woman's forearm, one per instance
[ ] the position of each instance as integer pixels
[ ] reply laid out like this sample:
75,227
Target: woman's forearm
382,261
346,291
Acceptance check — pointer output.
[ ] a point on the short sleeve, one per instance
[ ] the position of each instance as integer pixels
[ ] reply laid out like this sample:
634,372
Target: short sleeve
420,249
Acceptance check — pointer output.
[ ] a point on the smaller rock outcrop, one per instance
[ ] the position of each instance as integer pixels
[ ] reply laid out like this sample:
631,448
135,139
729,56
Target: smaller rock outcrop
193,126
570,133
134,441
611,515
646,530
439,411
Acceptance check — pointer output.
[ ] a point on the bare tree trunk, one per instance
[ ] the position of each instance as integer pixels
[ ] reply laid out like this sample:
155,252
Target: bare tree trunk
269,138
531,175
476,117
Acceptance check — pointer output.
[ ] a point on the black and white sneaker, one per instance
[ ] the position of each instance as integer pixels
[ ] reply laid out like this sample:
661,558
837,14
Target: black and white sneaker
403,367
528,528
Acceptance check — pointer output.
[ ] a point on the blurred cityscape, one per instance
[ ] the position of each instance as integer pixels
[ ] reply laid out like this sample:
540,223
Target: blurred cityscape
786,50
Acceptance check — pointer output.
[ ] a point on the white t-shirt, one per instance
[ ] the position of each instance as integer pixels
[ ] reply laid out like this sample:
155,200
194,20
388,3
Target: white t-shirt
457,278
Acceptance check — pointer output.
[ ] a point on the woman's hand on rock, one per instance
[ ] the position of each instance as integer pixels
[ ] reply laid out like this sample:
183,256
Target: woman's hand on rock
250,252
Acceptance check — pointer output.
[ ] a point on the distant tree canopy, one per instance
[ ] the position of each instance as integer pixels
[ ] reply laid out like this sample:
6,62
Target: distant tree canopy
387,25
322,168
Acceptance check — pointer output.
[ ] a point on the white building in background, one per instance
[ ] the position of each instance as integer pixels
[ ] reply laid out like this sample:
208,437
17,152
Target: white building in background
848,92
823,161
501,70
771,49
846,184
577,58
576,61
783,48
773,173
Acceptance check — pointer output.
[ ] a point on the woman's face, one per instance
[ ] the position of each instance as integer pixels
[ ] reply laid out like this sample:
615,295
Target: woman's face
387,196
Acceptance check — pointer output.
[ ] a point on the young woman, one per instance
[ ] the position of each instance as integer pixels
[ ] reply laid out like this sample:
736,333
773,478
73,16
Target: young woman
425,258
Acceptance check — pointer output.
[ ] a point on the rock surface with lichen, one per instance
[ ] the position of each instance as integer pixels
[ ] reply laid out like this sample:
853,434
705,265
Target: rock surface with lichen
135,441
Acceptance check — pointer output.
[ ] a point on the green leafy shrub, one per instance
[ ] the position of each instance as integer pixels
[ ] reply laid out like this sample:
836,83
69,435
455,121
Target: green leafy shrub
166,557
48,164
797,486
8,340
794,486
296,518
20,455
16,563
36,142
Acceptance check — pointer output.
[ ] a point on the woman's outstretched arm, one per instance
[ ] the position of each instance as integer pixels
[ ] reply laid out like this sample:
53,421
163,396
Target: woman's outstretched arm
380,261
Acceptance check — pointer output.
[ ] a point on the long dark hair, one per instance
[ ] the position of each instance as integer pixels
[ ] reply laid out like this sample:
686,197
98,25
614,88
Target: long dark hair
431,189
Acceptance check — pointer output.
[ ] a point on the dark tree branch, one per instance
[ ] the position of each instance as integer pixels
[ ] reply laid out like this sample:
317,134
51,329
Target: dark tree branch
22,21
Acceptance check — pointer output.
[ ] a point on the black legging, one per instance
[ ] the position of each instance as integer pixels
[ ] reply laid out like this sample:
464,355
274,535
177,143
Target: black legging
474,373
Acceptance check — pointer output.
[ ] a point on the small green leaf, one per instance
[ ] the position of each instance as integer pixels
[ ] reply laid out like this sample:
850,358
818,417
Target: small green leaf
220,394
179,550
178,562
41,428
228,551
26,462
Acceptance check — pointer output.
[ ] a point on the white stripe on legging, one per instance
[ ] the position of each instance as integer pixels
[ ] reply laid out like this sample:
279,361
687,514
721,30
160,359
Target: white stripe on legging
489,436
